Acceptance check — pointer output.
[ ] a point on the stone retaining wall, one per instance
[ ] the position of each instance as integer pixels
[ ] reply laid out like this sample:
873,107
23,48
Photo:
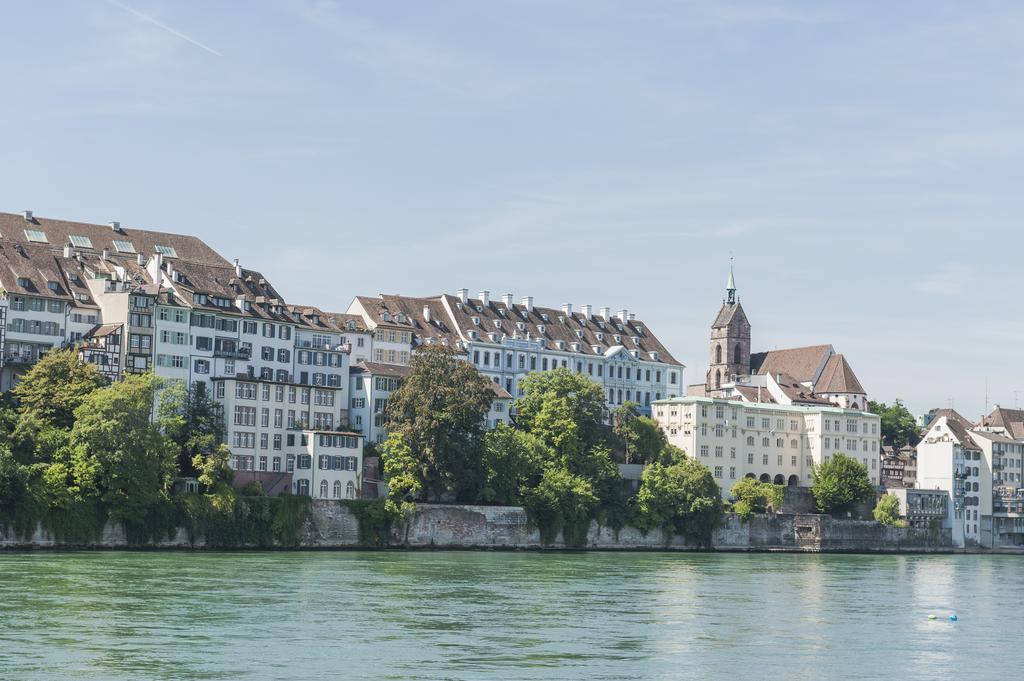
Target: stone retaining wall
333,526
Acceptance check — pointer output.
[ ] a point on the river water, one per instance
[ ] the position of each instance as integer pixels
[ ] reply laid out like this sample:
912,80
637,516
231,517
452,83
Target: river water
474,615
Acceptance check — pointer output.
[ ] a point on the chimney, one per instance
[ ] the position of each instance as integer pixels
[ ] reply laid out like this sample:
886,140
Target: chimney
485,298
623,315
587,311
567,309
606,313
463,294
426,313
27,215
140,259
632,316
507,300
67,251
115,225
238,269
106,254
528,303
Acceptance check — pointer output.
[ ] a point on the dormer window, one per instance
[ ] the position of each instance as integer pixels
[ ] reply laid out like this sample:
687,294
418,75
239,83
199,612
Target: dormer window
350,325
400,318
479,308
24,282
636,340
493,336
385,317
544,316
541,328
579,334
497,323
655,356
560,345
53,286
618,338
521,326
596,349
575,347
476,320
600,336
635,353
473,335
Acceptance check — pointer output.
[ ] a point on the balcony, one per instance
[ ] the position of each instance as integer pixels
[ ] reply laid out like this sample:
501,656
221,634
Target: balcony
233,353
21,357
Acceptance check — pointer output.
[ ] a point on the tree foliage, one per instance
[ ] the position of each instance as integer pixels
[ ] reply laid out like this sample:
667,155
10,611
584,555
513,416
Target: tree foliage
118,453
55,386
565,410
899,427
562,501
840,484
439,411
642,438
681,498
752,497
887,510
511,460
190,418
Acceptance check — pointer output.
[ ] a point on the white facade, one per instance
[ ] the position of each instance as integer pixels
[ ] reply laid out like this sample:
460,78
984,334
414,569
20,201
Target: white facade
329,465
770,442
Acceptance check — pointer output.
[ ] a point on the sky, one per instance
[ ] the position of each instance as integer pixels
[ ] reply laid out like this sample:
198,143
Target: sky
862,162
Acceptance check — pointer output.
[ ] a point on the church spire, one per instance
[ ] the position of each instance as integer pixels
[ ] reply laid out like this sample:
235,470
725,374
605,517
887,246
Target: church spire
730,286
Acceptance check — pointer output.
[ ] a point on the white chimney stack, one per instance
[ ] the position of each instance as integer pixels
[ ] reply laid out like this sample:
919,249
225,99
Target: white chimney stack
567,309
27,214
115,225
623,315
606,313
463,294
67,251
238,269
507,300
106,254
632,316
485,298
528,303
426,313
587,310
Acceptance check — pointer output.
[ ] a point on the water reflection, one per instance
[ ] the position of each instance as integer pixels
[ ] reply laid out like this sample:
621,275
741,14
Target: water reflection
504,615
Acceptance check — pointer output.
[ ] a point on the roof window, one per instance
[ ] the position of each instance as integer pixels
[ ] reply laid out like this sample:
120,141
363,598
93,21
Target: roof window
80,241
123,246
37,236
166,250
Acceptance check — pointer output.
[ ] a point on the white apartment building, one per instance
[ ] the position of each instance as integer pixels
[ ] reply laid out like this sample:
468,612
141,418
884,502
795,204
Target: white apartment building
329,465
949,458
507,341
770,442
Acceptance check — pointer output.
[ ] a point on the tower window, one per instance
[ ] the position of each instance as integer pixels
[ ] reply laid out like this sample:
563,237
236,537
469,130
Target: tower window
736,354
718,354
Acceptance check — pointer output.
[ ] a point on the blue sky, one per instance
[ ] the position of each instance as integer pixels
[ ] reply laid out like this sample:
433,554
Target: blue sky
862,161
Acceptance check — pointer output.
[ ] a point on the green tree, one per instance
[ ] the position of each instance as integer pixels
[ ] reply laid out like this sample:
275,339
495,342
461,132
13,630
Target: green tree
753,497
563,409
899,427
682,498
118,454
840,484
562,501
403,472
887,510
190,418
643,439
512,459
439,411
55,386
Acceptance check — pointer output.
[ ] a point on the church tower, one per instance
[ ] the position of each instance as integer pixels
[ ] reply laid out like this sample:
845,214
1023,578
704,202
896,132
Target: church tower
730,342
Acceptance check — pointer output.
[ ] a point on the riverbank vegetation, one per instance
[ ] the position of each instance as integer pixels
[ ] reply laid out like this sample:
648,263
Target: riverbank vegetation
77,454
558,462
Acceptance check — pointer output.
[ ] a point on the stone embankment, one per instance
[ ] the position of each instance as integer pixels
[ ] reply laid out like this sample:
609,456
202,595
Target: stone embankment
333,526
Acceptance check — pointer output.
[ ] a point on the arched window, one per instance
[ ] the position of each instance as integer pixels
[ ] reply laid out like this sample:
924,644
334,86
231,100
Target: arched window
793,444
765,442
337,489
718,378
750,440
323,489
350,490
302,488
778,443
737,354
718,354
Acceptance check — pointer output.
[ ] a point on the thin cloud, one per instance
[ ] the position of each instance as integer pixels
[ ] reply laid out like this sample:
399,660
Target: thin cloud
949,280
158,24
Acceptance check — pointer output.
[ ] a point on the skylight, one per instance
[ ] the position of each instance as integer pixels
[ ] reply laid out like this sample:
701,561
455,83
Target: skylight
37,236
166,250
124,246
80,241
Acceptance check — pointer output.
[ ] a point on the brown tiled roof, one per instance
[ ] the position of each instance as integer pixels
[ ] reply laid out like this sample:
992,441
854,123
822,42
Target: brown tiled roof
952,415
798,392
558,326
58,232
341,320
803,364
1010,419
499,392
381,369
751,394
959,427
103,330
838,377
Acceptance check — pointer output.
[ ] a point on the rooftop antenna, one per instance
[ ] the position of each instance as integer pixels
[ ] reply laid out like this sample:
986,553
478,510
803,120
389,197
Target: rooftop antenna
986,395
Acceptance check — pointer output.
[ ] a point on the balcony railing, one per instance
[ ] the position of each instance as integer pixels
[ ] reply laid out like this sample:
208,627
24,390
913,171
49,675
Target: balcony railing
234,353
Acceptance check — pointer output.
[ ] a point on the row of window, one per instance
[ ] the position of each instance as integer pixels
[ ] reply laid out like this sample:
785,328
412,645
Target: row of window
21,303
246,390
35,326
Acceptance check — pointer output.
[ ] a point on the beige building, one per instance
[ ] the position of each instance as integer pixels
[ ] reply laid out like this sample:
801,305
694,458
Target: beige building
772,442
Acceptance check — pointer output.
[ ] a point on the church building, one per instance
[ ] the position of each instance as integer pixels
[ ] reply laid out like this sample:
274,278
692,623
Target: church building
812,375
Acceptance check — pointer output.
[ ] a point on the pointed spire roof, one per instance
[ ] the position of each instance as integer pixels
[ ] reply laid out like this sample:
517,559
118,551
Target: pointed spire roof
838,377
731,284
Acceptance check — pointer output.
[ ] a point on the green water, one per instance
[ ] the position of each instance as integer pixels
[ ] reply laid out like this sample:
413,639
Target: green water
508,616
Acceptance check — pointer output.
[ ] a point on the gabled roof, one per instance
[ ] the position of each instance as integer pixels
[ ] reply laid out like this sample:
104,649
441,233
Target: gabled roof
751,394
1010,419
838,377
101,237
499,392
797,392
958,426
380,369
803,364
